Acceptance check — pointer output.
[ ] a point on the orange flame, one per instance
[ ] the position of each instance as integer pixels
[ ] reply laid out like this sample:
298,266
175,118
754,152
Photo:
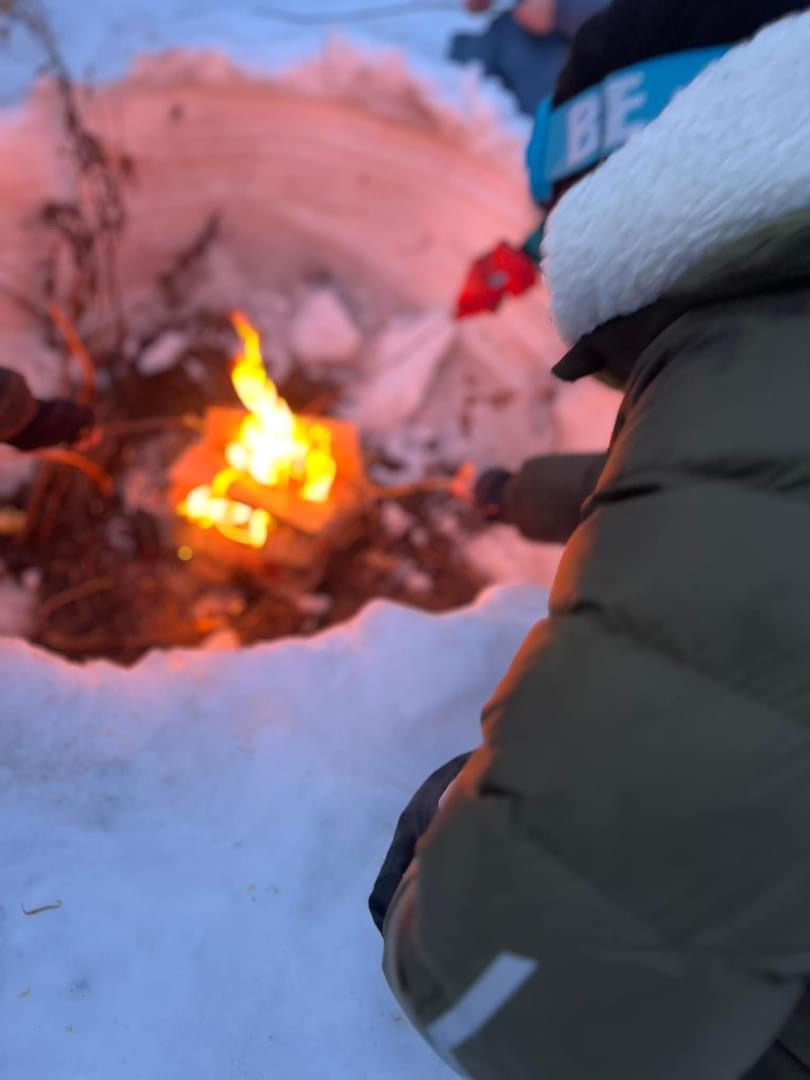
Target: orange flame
274,447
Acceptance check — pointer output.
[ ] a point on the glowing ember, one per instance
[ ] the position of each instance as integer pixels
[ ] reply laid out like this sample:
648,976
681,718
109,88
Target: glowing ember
274,447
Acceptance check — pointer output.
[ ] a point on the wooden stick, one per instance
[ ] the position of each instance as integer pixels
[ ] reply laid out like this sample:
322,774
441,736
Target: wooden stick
36,500
69,596
420,487
78,351
123,428
110,642
320,403
100,478
57,491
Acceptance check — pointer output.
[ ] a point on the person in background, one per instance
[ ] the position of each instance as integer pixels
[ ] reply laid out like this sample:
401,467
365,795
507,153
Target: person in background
525,48
616,884
29,424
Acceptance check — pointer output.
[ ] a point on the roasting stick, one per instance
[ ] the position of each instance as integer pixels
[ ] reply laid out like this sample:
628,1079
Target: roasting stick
430,485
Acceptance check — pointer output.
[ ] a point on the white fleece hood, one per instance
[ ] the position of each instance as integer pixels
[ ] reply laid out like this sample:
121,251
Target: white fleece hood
730,153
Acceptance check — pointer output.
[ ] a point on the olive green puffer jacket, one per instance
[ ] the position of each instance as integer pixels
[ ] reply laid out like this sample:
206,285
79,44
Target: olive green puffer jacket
619,886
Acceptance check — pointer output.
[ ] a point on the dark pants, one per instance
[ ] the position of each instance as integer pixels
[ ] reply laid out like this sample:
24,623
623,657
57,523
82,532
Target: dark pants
789,1057
413,824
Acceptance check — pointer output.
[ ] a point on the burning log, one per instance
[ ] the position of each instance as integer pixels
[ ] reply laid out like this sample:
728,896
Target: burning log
265,488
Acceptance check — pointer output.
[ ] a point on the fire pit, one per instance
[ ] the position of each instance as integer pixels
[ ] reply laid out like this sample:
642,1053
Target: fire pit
250,500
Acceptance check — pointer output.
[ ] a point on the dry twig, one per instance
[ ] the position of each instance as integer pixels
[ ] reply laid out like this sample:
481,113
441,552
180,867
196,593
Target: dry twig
78,351
39,910
36,500
55,497
94,472
111,643
145,424
90,227
71,596
173,282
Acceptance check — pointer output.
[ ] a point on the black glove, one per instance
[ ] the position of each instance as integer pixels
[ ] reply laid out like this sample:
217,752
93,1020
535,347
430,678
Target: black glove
54,422
412,826
490,493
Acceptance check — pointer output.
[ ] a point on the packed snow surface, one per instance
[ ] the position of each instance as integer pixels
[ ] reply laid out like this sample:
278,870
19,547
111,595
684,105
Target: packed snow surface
99,39
203,831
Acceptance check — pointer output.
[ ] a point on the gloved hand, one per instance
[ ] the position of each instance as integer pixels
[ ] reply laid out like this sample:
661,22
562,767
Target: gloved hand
490,493
54,422
412,826
486,491
544,499
28,424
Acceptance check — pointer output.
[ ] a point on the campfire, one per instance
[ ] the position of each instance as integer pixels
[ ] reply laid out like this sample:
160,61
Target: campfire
264,486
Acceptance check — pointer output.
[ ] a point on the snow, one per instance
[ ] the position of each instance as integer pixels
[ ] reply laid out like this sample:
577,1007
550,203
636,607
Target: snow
221,641
211,824
322,329
501,554
403,363
163,353
416,581
396,520
100,40
16,470
17,605
315,604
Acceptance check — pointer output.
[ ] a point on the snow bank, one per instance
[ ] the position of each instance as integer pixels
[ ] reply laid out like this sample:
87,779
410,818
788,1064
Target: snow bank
99,40
210,825
350,167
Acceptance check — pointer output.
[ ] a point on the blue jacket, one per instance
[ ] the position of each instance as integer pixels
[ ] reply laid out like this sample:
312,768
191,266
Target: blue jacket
526,64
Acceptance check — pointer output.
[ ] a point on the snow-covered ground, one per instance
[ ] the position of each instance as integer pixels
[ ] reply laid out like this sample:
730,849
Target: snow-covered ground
210,826
100,39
